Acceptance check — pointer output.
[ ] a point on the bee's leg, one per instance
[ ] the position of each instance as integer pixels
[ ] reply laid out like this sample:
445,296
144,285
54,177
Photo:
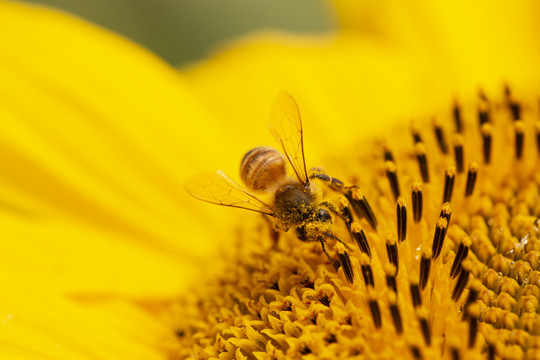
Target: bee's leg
332,236
332,261
332,182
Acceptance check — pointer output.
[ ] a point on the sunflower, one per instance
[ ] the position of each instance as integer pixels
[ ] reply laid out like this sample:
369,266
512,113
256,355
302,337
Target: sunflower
105,256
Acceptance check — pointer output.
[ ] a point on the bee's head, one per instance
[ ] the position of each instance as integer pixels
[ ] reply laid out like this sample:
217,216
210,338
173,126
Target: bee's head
323,215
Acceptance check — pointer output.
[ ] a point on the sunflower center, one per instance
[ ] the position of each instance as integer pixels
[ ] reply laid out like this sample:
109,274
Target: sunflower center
441,255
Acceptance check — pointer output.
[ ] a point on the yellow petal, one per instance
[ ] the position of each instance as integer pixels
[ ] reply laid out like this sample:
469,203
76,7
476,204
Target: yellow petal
47,326
99,130
476,42
73,258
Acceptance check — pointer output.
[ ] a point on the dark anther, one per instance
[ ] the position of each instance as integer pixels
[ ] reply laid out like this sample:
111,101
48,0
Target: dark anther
519,138
392,251
415,350
446,212
361,207
425,266
391,282
439,135
345,262
325,300
274,285
415,295
417,138
473,330
515,109
461,254
391,174
483,117
471,179
455,353
422,162
417,201
367,273
401,214
457,117
486,142
458,154
305,350
460,284
491,352
449,178
438,238
361,240
375,313
331,338
426,333
396,318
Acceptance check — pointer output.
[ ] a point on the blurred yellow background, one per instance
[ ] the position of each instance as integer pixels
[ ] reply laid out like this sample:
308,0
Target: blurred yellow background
182,31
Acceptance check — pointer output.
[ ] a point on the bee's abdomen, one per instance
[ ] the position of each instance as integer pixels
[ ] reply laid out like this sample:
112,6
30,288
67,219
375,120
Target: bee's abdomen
262,167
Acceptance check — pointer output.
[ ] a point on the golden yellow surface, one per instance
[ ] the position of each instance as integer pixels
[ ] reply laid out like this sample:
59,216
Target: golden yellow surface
98,134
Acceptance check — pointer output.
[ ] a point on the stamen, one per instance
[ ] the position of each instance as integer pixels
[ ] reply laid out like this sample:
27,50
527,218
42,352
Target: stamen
420,151
394,311
457,117
360,237
345,211
424,325
391,174
458,153
417,201
438,238
392,251
455,353
417,138
390,272
345,261
462,280
519,128
388,154
483,111
487,131
474,312
361,207
415,292
471,178
415,350
401,219
367,272
425,265
474,289
449,178
491,351
515,109
446,211
374,308
439,135
461,254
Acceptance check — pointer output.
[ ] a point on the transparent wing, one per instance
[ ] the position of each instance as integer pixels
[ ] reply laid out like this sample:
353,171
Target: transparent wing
218,188
286,127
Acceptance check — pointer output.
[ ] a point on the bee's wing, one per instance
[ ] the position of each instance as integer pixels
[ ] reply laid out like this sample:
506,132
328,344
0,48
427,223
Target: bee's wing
286,127
218,188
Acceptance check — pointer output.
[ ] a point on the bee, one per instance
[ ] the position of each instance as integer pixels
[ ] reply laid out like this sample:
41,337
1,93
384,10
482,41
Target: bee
296,202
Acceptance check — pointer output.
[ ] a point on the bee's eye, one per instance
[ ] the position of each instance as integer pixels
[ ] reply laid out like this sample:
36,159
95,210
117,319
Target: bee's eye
323,215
